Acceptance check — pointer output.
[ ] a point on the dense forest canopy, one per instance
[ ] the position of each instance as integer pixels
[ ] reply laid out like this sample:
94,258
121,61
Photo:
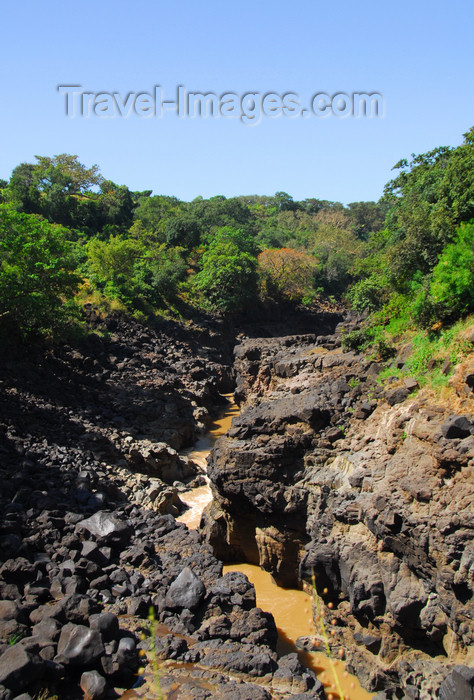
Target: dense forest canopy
68,235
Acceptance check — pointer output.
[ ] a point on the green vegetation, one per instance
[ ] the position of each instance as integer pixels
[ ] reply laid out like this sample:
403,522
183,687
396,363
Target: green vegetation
430,354
288,274
420,267
153,656
228,278
45,694
417,276
68,235
14,639
37,274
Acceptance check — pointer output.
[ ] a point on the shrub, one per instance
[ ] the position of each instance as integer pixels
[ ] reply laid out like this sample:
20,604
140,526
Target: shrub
161,272
288,273
367,295
357,340
384,350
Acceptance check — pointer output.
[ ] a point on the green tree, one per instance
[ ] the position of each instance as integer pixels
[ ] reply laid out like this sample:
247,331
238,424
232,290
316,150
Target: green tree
367,218
228,279
429,198
152,215
336,247
37,274
58,188
241,237
112,266
66,192
368,294
183,231
219,211
115,207
3,190
452,281
24,189
160,273
420,269
284,201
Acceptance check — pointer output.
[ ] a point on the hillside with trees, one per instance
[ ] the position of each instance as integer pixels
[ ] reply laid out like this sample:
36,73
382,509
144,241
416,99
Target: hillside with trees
68,236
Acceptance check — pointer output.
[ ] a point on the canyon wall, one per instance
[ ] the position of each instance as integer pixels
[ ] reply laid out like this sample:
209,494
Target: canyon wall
365,486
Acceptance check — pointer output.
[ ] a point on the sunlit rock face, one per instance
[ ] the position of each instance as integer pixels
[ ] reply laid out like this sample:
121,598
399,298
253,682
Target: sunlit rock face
369,488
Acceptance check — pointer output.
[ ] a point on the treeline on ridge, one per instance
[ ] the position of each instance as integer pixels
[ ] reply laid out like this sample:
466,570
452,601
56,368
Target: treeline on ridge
69,236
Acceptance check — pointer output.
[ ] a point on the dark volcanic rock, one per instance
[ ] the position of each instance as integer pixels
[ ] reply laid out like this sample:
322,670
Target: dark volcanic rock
10,610
72,608
292,678
79,646
17,571
93,685
272,417
19,667
397,395
459,684
106,529
48,631
457,427
229,656
186,591
379,511
75,425
107,624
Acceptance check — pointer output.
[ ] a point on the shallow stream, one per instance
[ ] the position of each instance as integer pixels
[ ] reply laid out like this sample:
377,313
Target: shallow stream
290,608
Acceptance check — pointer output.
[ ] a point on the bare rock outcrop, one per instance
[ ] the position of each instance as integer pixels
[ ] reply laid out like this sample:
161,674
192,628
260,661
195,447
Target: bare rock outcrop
369,488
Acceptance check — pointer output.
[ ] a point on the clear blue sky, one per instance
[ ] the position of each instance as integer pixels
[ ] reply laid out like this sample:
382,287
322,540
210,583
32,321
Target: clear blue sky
418,54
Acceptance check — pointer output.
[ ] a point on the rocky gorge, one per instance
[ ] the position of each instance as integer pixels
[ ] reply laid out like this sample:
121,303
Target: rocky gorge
366,486
325,471
91,473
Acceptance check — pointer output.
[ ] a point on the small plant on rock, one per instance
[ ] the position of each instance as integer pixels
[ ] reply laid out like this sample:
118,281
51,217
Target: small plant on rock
322,629
14,639
156,683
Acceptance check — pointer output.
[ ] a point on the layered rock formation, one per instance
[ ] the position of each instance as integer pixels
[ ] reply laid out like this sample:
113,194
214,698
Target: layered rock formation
366,486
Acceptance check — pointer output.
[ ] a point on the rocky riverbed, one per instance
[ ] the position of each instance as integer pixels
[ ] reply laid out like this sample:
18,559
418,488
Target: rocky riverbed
369,487
91,473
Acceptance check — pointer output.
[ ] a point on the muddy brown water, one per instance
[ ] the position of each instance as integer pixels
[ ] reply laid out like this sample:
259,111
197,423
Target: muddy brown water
290,608
197,499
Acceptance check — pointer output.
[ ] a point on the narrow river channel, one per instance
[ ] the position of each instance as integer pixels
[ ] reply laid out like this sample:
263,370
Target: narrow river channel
290,608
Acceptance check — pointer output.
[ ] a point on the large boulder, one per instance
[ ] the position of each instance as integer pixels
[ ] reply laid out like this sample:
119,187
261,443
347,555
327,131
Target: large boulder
79,646
107,624
250,659
93,685
457,427
19,667
160,460
186,591
72,608
106,529
458,685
